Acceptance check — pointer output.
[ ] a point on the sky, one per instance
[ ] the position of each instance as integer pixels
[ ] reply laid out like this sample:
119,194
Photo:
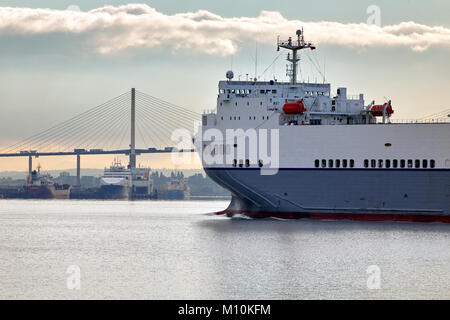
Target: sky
56,63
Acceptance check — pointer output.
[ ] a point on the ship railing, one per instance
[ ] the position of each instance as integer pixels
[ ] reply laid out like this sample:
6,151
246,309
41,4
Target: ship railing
438,120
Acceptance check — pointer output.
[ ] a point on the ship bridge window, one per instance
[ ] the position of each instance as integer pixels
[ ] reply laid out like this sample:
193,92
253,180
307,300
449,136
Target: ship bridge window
388,163
366,163
222,91
330,163
247,163
324,163
352,163
432,163
338,163
262,91
274,91
425,163
317,163
373,163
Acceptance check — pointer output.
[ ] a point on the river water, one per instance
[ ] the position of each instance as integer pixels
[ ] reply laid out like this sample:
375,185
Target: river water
55,249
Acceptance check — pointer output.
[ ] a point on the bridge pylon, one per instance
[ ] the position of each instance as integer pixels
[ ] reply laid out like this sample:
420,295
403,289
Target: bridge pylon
133,130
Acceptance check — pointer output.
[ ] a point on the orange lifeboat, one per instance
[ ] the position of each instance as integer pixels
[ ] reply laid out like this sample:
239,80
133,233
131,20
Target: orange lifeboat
377,110
296,107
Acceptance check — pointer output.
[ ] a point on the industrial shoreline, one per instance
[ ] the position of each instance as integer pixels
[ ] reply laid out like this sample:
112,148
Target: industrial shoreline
167,185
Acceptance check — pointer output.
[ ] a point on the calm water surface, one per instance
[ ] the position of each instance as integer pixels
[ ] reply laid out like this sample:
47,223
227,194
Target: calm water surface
176,250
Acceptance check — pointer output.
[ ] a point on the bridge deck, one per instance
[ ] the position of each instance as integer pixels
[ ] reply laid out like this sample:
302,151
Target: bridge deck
87,152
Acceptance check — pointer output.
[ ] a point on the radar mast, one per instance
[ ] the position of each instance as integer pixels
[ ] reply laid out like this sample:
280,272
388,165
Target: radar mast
294,46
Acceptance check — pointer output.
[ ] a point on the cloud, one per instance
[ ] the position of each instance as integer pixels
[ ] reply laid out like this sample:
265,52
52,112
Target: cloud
110,30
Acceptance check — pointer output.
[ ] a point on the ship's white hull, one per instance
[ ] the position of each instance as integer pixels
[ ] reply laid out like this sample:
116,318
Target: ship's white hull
301,189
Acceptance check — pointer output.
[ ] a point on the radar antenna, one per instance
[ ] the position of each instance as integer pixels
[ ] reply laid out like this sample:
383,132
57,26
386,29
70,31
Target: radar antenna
294,46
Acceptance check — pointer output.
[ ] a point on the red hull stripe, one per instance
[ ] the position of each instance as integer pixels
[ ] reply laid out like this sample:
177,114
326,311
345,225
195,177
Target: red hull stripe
341,216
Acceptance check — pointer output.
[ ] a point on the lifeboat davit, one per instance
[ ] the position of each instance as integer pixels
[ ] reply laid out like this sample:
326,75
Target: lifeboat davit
296,107
377,110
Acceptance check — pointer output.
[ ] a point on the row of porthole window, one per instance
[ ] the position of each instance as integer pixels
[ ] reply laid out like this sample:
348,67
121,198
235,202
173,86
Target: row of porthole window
374,163
247,163
236,91
247,91
402,163
317,93
250,118
248,103
331,163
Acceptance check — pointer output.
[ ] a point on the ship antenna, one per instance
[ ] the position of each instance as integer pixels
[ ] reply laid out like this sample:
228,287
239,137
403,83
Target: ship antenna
294,46
256,61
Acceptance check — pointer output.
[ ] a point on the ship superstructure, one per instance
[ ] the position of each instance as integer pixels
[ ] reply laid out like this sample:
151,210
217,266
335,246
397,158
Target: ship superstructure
331,155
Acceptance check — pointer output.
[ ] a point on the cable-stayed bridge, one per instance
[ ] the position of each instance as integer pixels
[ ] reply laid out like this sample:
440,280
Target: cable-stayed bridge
132,123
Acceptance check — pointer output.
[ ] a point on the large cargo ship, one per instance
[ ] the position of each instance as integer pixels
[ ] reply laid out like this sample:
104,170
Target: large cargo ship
295,150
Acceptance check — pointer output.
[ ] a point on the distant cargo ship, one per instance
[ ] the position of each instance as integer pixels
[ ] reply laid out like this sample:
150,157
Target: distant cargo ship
41,186
115,182
142,184
177,188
